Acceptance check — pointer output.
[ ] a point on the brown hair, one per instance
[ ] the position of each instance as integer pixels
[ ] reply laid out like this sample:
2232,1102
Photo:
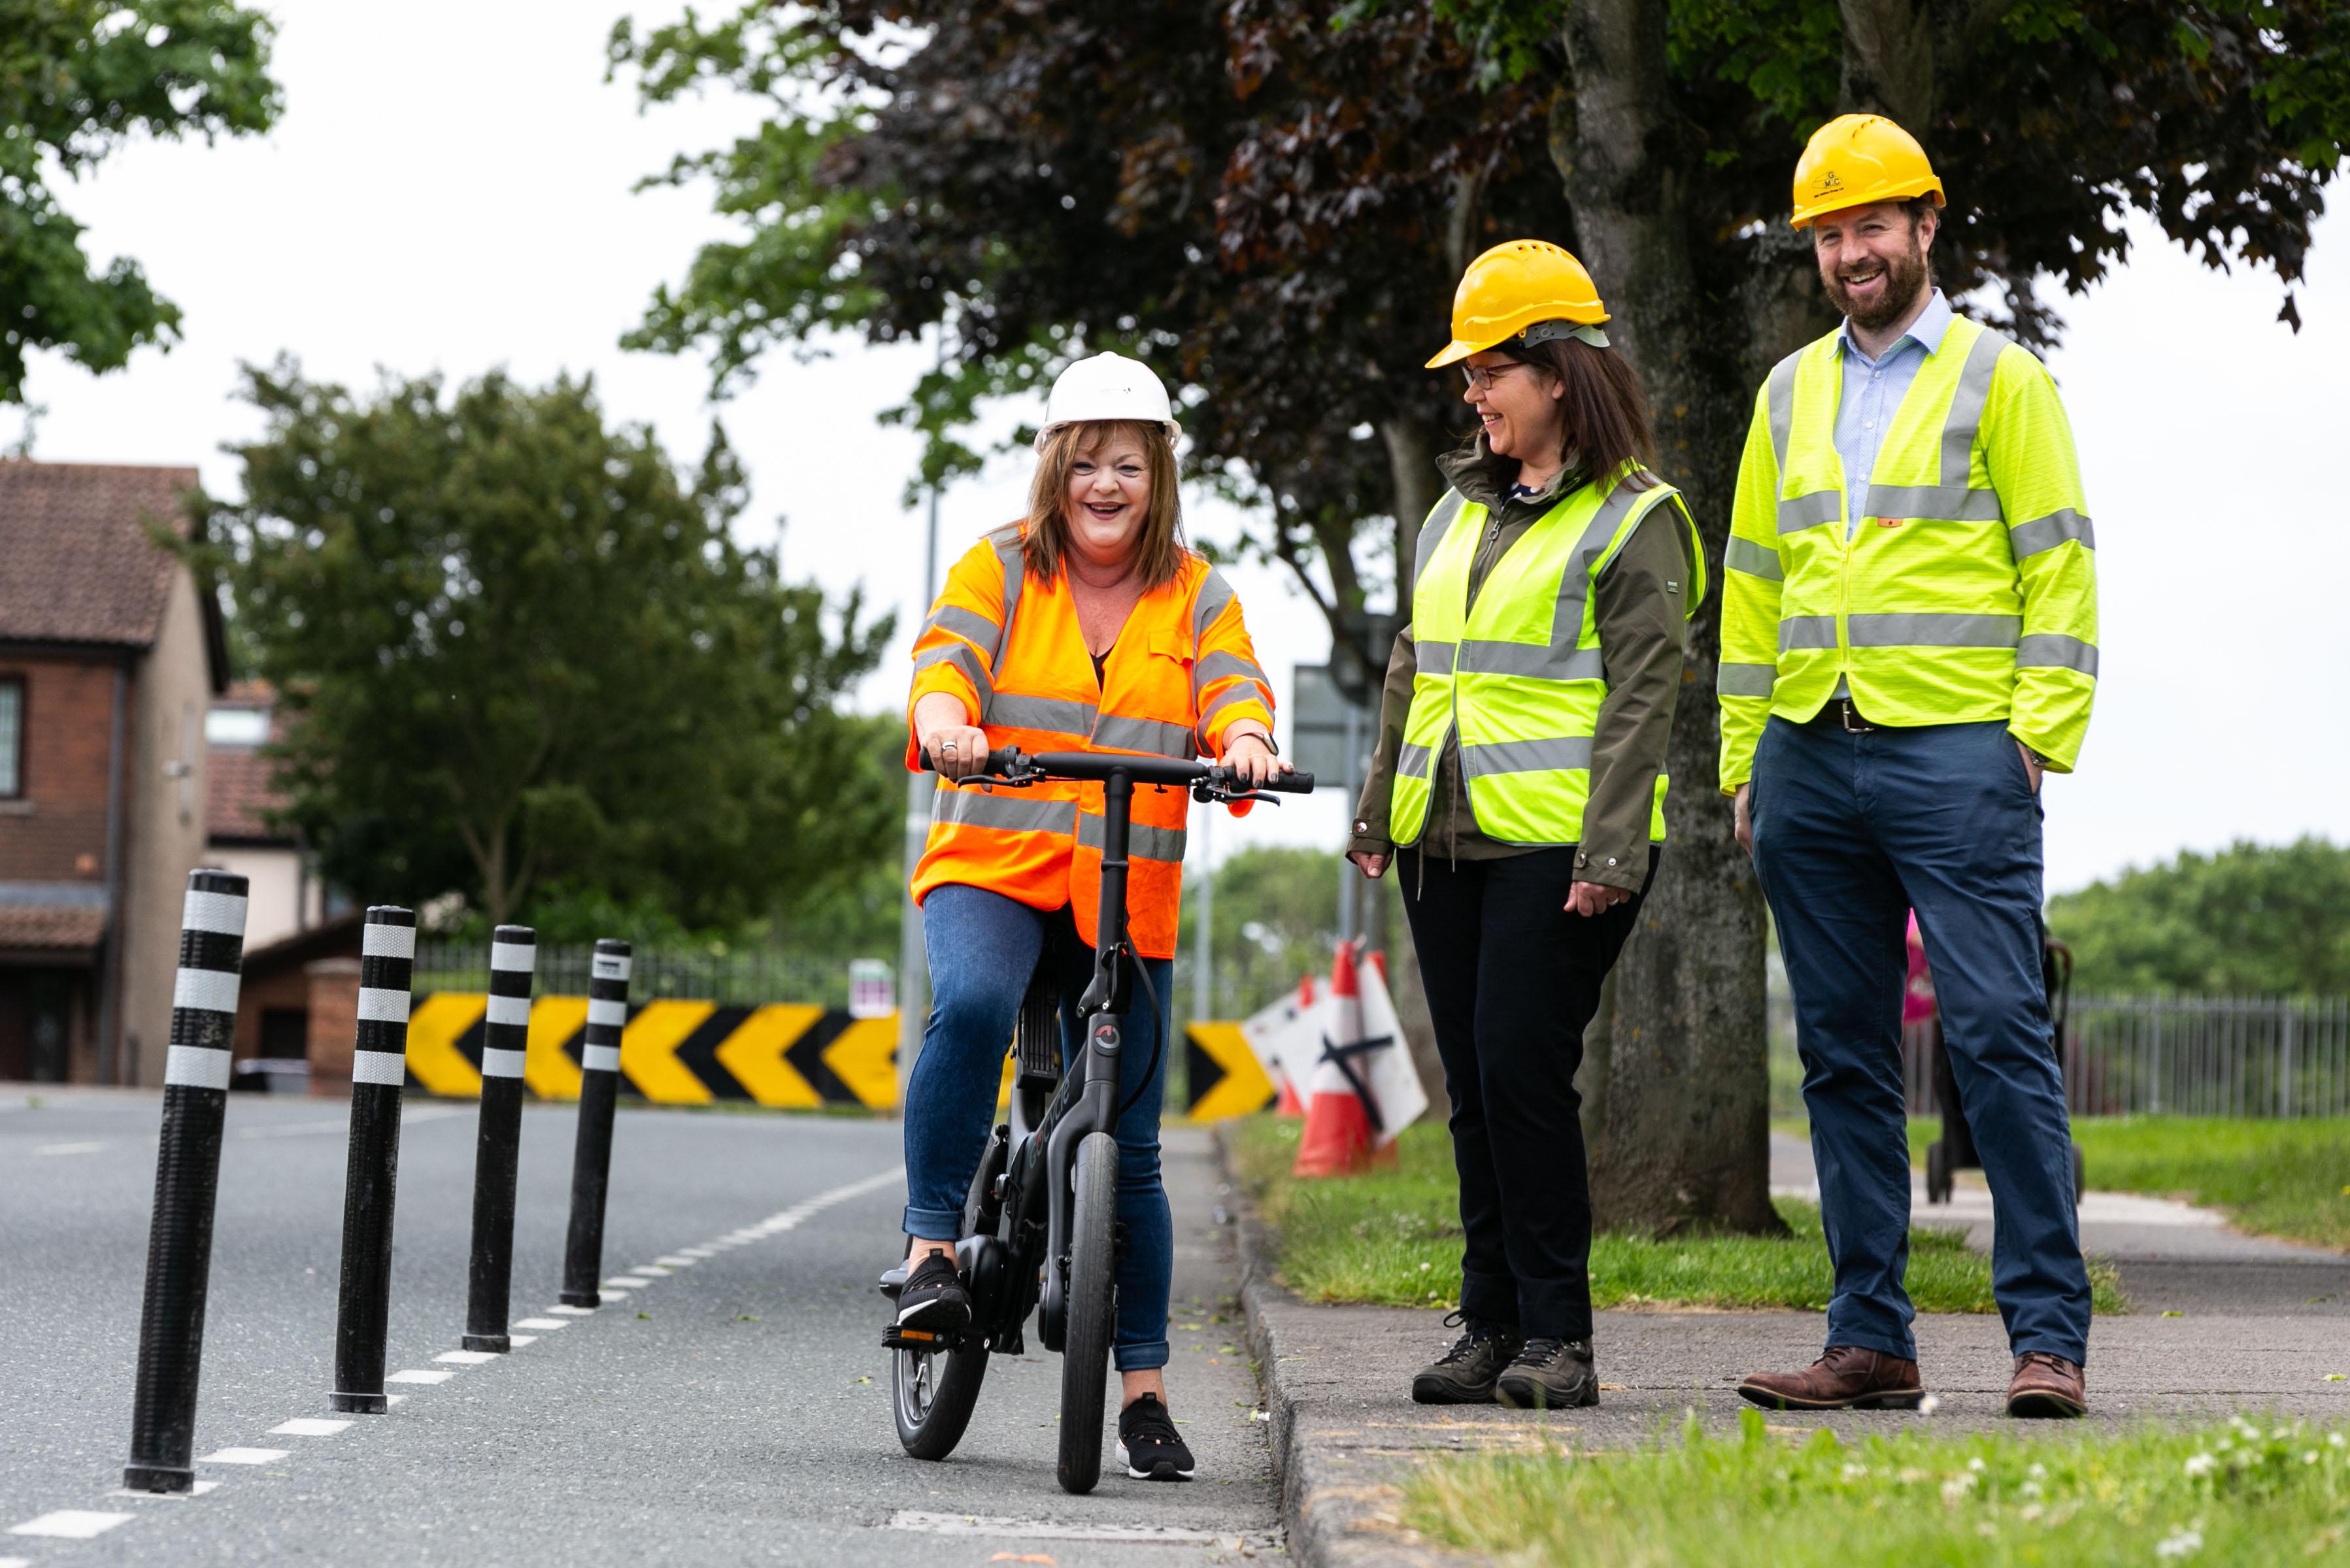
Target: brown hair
1607,413
1159,554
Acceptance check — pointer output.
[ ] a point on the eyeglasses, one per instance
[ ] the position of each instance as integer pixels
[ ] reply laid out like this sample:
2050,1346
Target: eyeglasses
1480,376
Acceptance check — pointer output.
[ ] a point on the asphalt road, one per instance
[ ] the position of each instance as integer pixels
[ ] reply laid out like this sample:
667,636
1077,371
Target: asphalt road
734,1410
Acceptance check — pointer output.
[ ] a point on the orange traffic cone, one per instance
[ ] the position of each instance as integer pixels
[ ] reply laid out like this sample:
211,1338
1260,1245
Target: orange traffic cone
1289,1102
1337,1138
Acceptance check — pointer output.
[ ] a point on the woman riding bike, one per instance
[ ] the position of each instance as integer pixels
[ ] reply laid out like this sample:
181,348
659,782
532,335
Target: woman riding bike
1087,626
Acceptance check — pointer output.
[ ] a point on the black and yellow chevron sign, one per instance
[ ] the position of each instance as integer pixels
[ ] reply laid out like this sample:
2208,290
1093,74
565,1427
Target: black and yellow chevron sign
675,1052
1221,1073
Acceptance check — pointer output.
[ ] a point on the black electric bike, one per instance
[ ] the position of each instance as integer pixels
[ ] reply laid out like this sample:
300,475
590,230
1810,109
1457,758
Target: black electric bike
1039,1222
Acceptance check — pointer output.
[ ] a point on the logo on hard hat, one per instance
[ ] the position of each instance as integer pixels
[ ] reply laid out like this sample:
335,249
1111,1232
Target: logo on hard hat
1829,180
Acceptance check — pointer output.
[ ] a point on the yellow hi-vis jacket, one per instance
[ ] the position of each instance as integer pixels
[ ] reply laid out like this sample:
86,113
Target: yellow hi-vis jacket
1519,674
1967,592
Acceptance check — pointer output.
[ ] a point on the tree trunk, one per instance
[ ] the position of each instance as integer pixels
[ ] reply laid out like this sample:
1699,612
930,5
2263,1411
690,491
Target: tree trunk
1677,1115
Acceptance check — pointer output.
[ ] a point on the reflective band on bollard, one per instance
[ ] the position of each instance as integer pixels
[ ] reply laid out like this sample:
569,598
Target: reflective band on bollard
187,1179
592,1159
506,1034
379,1068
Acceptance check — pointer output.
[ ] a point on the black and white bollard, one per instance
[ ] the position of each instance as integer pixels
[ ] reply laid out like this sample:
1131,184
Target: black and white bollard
378,1069
506,1037
187,1180
599,1083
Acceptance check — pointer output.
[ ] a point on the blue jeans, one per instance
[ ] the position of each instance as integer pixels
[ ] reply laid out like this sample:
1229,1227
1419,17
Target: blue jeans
1851,831
983,949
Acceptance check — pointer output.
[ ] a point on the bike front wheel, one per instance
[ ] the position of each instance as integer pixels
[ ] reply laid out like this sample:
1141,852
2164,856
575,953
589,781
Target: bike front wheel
1092,1311
932,1394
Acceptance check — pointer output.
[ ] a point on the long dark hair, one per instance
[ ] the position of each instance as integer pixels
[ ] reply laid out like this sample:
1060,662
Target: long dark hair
1606,412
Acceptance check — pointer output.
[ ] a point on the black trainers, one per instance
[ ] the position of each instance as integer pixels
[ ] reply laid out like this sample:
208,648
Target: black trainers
1549,1375
1464,1375
934,1298
1147,1444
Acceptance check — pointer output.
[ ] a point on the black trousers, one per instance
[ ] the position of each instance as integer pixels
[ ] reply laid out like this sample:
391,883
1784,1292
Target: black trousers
1513,978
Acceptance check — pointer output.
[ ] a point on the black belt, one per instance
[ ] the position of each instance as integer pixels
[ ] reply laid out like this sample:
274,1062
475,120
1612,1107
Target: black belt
1841,714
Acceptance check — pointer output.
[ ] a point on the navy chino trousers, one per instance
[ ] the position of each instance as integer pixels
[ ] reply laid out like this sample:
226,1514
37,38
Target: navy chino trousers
1852,830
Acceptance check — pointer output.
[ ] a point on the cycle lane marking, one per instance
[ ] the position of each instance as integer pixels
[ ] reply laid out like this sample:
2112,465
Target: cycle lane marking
85,1524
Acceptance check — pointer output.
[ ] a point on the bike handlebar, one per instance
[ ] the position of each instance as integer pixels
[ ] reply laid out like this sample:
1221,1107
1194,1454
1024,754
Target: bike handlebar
1015,766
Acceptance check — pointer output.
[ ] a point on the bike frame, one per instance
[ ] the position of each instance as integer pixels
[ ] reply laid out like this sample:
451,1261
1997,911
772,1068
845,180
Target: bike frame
1068,1117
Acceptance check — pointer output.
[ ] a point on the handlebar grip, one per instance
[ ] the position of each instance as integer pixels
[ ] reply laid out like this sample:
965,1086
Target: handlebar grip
1299,783
997,762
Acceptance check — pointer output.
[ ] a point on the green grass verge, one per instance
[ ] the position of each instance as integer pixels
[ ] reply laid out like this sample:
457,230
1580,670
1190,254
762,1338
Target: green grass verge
2276,1177
2280,1178
1392,1237
2241,1494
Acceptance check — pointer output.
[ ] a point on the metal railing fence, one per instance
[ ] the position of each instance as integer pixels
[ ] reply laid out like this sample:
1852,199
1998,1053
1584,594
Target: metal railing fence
2152,1056
746,978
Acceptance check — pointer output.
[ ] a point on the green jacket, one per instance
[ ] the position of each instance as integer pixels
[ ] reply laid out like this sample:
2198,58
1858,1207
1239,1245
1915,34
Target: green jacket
1638,607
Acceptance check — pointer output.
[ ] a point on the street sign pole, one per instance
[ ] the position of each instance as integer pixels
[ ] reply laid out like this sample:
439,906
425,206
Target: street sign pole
1203,945
1354,744
914,965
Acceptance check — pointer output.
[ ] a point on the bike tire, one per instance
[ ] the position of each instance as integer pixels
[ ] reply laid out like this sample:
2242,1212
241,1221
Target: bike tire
932,1394
1092,1311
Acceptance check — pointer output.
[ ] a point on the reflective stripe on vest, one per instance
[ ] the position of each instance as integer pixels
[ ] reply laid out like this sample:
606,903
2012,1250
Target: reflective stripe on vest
1518,676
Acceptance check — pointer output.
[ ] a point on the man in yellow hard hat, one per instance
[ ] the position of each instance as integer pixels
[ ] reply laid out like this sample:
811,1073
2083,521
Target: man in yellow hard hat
1909,641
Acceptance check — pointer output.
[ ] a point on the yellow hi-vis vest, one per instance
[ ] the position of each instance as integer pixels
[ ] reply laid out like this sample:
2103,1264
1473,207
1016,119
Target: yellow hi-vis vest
1519,673
1966,592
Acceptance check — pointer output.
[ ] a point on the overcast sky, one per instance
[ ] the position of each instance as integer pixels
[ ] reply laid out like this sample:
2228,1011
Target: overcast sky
453,193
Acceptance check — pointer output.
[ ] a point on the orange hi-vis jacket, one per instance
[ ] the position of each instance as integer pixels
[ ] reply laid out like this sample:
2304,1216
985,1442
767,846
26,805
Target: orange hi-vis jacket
1007,644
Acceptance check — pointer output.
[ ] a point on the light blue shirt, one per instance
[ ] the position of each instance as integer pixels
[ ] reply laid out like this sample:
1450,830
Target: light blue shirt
1872,394
1870,397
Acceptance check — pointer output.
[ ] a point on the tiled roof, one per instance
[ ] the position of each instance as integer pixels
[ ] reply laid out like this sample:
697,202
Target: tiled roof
237,779
240,783
48,928
80,567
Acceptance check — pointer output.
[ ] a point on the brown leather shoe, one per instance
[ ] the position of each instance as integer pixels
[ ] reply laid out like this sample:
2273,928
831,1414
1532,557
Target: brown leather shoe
1845,1378
2046,1385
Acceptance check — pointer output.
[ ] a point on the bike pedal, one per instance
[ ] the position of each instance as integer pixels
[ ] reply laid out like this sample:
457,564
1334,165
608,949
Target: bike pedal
898,1338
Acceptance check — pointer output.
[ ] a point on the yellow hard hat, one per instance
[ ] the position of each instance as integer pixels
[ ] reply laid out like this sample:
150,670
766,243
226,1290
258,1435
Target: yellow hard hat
1856,159
1517,285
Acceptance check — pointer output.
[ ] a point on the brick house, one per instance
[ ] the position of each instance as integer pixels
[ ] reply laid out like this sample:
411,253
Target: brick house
110,654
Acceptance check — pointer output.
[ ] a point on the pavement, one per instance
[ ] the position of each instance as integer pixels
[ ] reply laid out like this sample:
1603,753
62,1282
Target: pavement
733,1409
2221,1322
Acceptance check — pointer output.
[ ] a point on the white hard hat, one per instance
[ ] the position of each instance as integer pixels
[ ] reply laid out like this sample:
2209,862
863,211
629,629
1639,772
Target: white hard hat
1107,386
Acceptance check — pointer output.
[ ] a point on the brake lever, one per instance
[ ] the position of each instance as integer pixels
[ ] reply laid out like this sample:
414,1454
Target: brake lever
1207,794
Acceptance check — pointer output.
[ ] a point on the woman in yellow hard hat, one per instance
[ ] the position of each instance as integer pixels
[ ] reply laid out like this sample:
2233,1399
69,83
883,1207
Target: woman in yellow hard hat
1518,780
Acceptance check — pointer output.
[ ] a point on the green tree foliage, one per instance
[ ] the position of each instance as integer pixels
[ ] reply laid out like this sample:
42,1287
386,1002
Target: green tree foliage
78,79
2251,920
1276,919
521,649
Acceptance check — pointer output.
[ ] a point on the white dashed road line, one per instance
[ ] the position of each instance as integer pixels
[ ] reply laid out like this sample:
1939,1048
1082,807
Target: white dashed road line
85,1524
1048,1530
70,1524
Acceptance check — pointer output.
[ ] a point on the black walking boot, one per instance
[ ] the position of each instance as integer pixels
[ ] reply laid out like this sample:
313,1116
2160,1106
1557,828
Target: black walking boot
1549,1375
1464,1375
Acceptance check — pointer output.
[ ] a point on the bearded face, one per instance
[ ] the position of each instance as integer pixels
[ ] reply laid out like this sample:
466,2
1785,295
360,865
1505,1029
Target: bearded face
1873,262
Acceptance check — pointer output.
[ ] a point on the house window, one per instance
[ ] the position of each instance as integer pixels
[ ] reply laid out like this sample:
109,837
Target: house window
12,739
